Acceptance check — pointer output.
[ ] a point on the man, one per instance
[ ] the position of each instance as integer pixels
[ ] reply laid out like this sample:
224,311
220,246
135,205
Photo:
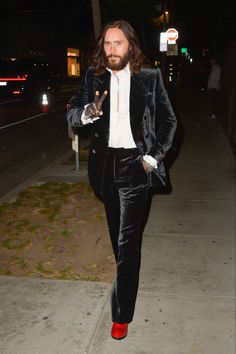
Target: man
132,128
213,86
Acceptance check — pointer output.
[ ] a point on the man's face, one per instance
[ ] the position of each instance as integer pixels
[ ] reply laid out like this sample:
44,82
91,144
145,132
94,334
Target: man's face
116,47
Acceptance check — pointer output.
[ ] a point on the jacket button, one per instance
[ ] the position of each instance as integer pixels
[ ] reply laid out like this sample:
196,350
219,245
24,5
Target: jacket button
96,135
94,151
146,136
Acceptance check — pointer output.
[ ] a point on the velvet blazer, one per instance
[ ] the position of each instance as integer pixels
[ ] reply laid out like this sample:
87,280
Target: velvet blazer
152,119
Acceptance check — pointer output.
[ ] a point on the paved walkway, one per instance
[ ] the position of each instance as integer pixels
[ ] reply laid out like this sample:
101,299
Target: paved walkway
186,298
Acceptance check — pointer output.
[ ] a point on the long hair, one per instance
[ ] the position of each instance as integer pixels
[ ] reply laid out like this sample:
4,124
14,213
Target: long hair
135,53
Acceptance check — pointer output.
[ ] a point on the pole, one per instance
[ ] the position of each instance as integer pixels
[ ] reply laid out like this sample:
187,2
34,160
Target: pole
76,161
163,54
96,17
75,147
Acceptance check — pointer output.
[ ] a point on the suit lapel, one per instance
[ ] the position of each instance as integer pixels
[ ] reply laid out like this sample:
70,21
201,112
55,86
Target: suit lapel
101,83
138,99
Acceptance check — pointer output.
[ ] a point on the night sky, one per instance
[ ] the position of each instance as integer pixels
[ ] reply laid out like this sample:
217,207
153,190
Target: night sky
209,24
77,12
200,24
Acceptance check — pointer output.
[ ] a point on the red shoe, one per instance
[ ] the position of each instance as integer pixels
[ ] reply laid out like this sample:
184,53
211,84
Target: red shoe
119,330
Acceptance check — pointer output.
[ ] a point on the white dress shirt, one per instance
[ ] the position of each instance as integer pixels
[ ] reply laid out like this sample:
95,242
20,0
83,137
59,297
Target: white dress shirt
120,129
214,77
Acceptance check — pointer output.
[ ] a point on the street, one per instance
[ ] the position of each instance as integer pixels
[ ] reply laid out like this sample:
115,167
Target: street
30,139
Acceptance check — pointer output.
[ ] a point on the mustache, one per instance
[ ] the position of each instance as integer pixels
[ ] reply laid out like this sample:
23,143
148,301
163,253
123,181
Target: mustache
113,56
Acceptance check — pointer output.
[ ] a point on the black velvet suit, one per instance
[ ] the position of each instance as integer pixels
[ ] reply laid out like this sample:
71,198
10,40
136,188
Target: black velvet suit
152,120
117,175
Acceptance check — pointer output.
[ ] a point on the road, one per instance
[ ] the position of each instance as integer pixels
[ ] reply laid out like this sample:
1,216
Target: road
30,139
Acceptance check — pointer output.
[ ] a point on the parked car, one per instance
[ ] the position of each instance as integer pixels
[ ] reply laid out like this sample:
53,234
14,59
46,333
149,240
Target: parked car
29,80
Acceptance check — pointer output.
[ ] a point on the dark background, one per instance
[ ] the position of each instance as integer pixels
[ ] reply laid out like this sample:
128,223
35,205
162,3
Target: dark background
47,28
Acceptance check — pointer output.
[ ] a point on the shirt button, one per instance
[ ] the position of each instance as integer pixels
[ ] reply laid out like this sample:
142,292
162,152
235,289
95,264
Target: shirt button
94,151
96,135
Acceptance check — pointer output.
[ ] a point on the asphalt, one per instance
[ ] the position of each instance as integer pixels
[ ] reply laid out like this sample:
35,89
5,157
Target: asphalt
186,298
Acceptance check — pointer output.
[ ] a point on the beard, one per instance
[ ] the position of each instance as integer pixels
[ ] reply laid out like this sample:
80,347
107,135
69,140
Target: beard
116,66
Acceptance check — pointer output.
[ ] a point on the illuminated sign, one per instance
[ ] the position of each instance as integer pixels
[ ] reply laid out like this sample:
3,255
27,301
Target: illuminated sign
172,35
163,42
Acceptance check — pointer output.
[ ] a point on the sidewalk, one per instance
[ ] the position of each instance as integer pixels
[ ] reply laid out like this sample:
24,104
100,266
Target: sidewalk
186,297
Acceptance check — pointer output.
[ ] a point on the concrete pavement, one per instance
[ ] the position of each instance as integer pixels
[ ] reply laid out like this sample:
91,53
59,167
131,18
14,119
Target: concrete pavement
186,297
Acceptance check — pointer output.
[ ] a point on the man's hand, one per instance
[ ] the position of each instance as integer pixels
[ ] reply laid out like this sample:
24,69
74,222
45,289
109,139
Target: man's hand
94,109
147,167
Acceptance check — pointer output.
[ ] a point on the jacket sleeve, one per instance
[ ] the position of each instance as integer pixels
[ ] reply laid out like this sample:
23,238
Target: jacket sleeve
165,121
76,104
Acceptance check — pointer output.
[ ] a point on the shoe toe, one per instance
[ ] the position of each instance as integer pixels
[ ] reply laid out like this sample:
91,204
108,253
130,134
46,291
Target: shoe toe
119,330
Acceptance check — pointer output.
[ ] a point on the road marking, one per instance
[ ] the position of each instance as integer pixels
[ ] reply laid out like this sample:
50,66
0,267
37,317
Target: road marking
10,101
22,121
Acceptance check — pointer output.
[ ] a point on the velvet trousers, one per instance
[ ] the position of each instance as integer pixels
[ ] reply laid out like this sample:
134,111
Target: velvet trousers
125,193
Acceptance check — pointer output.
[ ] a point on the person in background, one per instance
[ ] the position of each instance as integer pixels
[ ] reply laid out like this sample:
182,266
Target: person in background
132,128
213,87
